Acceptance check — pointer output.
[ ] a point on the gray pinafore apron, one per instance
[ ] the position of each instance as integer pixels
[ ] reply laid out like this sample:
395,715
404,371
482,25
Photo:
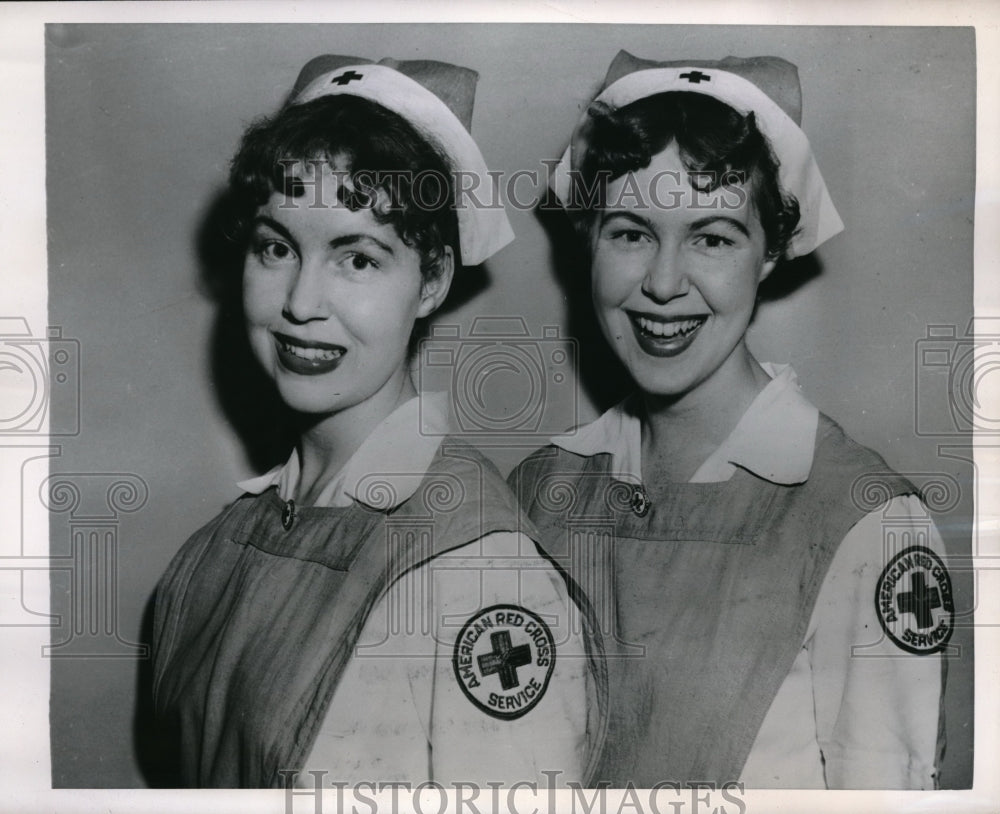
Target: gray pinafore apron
256,619
703,593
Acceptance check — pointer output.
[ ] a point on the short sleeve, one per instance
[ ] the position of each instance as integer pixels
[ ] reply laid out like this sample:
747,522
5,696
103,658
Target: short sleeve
875,643
511,679
471,668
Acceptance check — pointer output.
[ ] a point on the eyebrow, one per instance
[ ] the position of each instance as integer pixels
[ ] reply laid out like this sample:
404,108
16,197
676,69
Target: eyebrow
338,242
638,220
703,222
271,223
361,237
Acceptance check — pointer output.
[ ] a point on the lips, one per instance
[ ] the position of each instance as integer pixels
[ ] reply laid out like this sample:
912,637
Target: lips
306,357
659,336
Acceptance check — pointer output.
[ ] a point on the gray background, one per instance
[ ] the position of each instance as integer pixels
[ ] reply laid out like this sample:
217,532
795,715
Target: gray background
142,119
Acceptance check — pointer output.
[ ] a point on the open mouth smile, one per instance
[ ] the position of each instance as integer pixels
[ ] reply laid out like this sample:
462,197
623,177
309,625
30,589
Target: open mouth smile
658,336
307,358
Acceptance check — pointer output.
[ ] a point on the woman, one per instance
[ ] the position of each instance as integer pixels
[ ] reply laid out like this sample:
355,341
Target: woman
369,611
766,620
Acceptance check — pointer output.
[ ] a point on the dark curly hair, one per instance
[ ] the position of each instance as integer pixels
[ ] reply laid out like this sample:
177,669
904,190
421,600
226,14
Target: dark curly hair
377,149
717,145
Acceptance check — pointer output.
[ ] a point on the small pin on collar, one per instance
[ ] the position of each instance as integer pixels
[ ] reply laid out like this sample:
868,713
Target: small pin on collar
288,515
640,501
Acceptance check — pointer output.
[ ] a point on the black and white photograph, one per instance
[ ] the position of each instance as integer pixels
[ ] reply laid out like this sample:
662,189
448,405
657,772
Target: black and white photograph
483,414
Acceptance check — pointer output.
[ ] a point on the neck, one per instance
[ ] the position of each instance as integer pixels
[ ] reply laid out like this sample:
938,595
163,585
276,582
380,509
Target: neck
326,443
679,433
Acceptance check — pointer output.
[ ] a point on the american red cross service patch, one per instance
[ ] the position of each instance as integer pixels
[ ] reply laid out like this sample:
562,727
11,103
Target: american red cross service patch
914,603
503,660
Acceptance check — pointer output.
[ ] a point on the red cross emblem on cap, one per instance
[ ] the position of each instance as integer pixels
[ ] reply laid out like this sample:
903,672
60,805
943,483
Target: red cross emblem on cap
346,78
697,77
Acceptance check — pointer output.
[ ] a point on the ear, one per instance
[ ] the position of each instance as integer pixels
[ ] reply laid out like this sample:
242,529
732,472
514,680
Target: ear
434,290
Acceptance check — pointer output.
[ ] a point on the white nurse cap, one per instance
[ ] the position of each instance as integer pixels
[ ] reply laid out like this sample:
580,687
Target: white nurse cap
437,99
767,86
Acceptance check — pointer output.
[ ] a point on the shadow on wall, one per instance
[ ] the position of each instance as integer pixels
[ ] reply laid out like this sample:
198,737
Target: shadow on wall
251,405
246,396
602,376
789,276
156,749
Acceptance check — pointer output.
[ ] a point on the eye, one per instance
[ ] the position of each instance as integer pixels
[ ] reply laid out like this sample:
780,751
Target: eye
710,240
273,252
629,238
362,262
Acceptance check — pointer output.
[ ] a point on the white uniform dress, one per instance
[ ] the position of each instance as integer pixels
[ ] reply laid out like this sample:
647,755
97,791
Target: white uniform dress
399,713
856,710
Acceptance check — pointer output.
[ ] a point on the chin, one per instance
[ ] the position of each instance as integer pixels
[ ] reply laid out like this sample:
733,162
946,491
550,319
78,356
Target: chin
657,386
664,378
310,403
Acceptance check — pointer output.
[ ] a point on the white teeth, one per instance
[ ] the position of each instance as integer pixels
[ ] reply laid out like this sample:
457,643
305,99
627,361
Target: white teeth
313,354
668,329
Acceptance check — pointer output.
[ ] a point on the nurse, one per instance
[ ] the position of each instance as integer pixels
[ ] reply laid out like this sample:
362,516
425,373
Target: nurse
773,597
369,611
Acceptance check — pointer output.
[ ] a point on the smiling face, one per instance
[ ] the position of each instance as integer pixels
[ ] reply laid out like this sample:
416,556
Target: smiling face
675,275
330,299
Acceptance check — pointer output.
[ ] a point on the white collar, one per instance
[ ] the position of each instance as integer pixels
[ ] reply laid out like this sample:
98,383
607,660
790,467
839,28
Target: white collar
775,438
385,470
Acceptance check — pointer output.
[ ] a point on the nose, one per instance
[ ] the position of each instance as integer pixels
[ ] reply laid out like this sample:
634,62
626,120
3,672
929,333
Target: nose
308,297
666,277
